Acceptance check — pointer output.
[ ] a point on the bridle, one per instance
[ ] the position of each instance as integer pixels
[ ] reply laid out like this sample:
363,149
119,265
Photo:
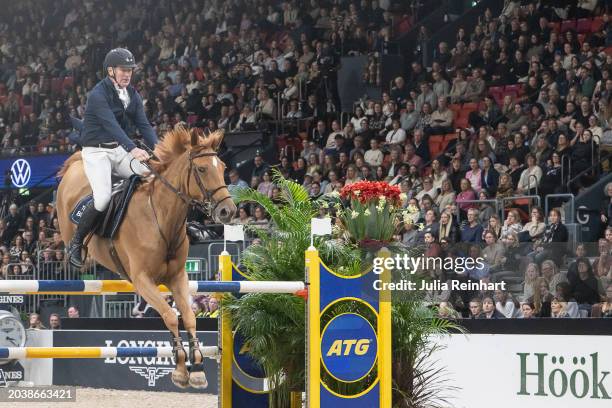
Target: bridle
209,204
189,201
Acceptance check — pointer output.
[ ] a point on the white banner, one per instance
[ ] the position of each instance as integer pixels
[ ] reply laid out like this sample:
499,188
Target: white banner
528,371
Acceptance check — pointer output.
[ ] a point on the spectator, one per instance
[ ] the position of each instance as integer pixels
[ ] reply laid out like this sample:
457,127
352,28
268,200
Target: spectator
471,231
553,243
475,308
34,322
489,310
73,312
55,322
504,304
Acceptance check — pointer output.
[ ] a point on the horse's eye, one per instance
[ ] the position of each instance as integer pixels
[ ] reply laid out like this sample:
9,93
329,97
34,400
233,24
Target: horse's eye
201,169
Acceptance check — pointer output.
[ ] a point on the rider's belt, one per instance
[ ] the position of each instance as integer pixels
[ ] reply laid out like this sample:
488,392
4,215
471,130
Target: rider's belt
110,145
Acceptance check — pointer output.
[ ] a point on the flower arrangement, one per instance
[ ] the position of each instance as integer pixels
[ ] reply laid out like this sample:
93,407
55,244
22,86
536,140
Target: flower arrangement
370,216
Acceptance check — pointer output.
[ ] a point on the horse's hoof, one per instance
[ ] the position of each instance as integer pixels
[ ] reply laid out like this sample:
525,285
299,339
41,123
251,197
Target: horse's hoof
180,378
197,379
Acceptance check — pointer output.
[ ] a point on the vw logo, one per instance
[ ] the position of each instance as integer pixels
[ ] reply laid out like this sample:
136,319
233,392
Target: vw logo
20,173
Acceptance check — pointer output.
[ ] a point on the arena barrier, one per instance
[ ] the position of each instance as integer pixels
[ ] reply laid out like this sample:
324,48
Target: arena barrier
349,348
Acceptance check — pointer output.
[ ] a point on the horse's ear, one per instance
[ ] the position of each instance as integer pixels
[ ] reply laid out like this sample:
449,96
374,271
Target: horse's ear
195,136
217,138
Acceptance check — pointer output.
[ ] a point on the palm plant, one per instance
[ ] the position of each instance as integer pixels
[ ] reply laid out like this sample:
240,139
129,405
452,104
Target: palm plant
273,325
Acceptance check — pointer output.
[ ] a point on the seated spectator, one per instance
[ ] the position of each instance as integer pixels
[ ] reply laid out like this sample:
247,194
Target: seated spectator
73,312
409,117
243,216
534,229
532,273
266,185
494,251
528,311
505,305
586,288
553,245
558,309
474,175
448,228
428,189
605,308
475,88
530,177
374,156
475,308
34,322
466,196
471,231
489,310
446,196
55,322
441,119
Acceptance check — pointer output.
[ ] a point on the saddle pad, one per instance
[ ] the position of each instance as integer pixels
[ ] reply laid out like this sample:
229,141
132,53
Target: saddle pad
111,219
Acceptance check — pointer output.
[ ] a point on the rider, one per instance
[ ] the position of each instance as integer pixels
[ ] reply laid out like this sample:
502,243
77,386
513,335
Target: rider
111,106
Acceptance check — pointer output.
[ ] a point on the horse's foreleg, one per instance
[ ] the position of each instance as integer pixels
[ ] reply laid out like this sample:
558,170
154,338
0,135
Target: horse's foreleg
148,290
180,290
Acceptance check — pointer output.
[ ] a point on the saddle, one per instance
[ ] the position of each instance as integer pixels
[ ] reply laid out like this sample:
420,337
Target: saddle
112,217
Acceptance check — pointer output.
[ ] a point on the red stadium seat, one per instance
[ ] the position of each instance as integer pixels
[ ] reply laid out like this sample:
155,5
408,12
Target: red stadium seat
435,145
596,24
583,25
567,25
516,88
469,107
56,86
496,89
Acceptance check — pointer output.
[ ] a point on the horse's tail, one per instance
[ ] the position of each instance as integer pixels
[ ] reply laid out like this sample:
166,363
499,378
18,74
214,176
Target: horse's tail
72,159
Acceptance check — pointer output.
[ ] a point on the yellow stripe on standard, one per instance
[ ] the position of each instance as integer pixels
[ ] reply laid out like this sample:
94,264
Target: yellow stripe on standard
384,337
226,340
63,352
313,373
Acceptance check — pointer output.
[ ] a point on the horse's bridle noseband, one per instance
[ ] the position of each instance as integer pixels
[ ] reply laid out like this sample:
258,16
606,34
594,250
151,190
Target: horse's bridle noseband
208,195
205,206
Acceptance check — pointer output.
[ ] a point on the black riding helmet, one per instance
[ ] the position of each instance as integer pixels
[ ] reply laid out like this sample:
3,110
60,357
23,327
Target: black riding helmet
119,57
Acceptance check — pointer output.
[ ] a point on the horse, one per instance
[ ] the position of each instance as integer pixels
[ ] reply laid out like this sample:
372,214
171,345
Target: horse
151,243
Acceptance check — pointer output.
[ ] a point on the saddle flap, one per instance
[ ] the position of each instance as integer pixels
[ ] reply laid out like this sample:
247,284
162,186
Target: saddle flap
113,216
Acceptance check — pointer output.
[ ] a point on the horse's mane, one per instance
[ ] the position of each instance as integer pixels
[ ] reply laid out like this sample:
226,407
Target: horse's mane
178,140
172,145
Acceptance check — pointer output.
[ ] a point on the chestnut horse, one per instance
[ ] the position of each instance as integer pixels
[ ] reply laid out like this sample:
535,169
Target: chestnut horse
152,243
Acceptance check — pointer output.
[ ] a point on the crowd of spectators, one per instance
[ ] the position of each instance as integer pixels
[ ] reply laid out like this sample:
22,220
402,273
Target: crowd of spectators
500,112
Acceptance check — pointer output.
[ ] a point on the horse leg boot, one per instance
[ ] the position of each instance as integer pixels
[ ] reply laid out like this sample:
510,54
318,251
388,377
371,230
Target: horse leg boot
197,376
148,290
86,224
180,290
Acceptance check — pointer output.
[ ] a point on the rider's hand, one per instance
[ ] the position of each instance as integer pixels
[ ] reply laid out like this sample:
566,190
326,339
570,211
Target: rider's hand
139,154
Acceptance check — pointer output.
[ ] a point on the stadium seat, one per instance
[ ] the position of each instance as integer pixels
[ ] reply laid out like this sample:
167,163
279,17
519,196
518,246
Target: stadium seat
56,86
435,144
470,107
596,24
583,25
567,25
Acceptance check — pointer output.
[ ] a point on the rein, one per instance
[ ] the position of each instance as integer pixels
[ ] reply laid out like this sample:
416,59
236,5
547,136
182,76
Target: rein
189,201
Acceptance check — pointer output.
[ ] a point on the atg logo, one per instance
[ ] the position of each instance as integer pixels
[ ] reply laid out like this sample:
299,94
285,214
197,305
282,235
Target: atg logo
349,347
20,173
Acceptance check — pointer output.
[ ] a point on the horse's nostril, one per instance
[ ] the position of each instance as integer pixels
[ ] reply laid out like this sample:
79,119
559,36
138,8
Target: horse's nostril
223,212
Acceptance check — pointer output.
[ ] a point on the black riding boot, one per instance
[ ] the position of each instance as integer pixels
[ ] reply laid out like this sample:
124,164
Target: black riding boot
86,224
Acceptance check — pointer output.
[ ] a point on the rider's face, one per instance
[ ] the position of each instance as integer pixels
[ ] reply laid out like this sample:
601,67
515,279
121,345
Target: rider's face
123,76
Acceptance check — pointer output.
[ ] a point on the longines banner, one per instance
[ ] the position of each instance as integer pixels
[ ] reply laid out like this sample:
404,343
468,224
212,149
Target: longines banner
528,371
30,171
134,373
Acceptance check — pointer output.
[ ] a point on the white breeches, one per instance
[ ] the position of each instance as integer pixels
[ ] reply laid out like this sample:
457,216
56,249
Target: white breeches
100,164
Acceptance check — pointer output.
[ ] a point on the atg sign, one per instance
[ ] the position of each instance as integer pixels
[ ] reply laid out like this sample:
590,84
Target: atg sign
349,347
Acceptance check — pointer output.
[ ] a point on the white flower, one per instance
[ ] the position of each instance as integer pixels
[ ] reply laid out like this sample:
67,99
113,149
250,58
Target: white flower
367,212
338,206
403,196
382,199
354,214
412,209
334,194
421,226
357,193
